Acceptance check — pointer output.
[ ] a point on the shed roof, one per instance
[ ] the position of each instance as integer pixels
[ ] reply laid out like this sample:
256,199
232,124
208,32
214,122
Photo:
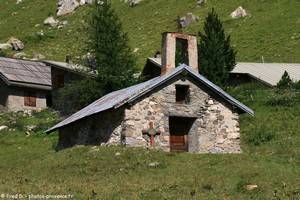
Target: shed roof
269,73
127,95
25,73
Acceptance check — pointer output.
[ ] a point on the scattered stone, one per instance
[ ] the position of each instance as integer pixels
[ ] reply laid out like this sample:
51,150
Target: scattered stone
3,128
133,3
66,6
5,46
51,21
38,56
37,25
238,13
117,154
31,128
187,20
201,2
16,43
136,50
251,187
154,164
19,1
20,55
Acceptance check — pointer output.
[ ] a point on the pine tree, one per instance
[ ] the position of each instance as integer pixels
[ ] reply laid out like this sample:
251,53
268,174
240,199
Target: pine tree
216,56
285,81
115,62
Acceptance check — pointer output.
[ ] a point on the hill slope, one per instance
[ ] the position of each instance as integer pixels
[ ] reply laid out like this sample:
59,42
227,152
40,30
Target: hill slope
272,30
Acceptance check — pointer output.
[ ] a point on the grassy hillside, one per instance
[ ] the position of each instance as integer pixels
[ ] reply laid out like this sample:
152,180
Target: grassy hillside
270,159
272,30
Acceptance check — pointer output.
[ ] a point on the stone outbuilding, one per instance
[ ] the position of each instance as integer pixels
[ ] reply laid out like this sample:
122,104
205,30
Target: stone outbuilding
28,85
179,110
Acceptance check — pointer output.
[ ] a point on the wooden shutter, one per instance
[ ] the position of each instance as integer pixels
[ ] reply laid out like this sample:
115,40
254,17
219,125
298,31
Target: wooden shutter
30,99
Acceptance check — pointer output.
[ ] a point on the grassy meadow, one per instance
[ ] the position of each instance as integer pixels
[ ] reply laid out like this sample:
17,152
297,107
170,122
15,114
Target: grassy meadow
271,30
270,159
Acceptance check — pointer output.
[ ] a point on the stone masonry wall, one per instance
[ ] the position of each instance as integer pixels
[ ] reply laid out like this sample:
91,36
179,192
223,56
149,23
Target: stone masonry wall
101,129
15,100
215,129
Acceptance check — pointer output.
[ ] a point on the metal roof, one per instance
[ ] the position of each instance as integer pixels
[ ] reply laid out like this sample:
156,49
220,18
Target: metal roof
127,95
269,73
25,73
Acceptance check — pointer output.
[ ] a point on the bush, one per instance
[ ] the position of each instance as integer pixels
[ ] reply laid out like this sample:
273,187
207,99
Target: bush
74,96
285,81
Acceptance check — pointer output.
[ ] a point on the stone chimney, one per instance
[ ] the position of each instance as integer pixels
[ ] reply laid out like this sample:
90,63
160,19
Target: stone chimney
169,42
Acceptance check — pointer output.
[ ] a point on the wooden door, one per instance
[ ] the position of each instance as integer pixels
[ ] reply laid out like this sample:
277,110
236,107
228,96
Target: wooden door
178,143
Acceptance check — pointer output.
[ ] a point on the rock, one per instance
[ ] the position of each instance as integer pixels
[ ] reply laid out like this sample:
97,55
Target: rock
19,1
117,154
3,128
66,6
16,43
51,21
201,2
188,19
31,128
20,55
238,13
153,164
133,3
38,56
136,50
251,187
5,46
82,2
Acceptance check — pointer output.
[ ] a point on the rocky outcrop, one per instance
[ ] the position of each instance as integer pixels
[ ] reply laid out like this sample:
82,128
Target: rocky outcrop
3,128
66,6
238,13
16,44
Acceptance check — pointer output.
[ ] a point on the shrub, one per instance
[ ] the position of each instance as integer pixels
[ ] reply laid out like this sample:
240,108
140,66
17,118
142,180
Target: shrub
285,81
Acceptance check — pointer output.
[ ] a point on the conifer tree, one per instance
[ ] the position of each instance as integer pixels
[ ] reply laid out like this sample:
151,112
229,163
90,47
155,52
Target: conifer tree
285,81
216,55
115,62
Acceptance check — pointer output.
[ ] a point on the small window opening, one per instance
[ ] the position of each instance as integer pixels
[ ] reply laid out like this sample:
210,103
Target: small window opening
30,99
181,55
182,94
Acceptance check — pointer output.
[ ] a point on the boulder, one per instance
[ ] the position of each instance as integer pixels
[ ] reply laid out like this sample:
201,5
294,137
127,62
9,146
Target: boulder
3,128
238,13
51,21
201,2
5,46
188,19
66,6
16,44
251,187
38,56
133,3
153,164
19,1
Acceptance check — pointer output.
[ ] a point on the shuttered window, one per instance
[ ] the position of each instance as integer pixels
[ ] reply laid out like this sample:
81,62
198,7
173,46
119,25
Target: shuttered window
30,99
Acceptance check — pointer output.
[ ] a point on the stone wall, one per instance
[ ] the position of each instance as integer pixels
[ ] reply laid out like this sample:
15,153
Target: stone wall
215,129
15,100
101,129
3,93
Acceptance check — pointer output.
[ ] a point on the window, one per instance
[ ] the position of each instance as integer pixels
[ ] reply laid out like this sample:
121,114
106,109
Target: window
181,55
30,99
182,94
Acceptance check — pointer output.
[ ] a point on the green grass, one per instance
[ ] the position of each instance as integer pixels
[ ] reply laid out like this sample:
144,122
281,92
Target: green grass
272,30
30,165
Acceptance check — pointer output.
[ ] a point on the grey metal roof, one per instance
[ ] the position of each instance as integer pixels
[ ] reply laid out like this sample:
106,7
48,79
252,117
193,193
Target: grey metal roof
25,73
69,67
269,73
127,95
